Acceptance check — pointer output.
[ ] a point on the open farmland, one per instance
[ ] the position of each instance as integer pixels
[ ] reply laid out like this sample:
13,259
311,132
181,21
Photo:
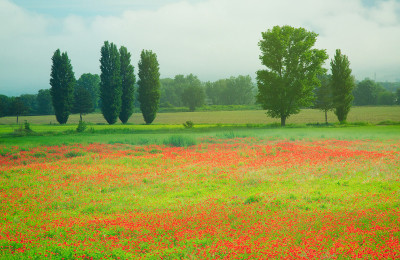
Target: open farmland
357,114
308,193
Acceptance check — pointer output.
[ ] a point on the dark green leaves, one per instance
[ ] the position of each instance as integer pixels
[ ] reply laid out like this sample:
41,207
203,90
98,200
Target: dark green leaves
110,85
149,85
62,81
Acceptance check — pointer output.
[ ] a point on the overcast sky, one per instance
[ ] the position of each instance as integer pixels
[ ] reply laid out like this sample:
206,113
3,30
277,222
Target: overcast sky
212,39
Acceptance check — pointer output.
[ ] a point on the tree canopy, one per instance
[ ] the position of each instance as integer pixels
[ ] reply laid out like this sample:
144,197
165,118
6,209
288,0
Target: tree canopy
128,81
149,85
292,66
324,100
342,85
193,96
110,85
62,81
91,82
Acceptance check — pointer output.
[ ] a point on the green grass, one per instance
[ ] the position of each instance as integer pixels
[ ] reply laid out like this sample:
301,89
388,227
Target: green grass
160,134
357,114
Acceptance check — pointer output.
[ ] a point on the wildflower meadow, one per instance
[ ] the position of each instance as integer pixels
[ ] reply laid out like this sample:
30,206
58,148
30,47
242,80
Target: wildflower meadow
220,198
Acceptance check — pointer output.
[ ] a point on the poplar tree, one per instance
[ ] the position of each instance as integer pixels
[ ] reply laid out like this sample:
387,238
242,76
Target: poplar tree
110,82
342,85
62,81
128,82
149,85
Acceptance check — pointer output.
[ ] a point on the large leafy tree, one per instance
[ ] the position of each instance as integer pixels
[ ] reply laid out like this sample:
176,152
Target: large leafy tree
342,85
193,96
128,85
91,82
62,81
110,85
323,93
43,100
149,85
293,64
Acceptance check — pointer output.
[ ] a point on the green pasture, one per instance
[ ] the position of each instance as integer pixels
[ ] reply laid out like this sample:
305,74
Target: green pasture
162,134
357,114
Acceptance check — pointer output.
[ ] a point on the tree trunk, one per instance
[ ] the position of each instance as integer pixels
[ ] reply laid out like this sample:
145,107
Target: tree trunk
283,120
17,119
326,117
80,115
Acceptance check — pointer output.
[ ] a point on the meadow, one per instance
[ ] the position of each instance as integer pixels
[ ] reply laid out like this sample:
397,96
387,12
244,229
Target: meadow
211,192
357,114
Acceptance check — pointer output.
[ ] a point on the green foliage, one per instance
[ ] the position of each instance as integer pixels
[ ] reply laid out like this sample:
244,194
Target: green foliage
324,99
72,154
91,82
17,107
4,104
252,199
27,126
342,85
180,141
30,103
386,98
128,83
292,68
172,89
83,101
149,85
43,100
62,81
398,96
367,92
193,96
110,84
188,124
233,91
81,126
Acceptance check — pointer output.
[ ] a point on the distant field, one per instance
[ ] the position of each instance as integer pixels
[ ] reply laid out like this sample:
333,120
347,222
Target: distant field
357,114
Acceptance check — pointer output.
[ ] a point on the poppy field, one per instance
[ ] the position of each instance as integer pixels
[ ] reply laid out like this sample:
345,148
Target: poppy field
252,197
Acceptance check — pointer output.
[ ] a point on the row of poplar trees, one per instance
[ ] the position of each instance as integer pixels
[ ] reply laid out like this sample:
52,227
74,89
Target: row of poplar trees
117,85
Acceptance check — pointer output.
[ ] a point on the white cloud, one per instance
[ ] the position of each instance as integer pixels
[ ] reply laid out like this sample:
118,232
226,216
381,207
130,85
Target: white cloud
212,39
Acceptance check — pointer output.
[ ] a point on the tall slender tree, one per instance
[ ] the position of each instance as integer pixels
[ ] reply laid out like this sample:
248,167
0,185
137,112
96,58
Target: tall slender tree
342,85
62,81
292,66
149,85
110,85
128,85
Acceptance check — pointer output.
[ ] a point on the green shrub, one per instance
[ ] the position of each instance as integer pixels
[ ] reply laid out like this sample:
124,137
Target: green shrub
180,141
27,127
188,124
72,154
81,126
252,199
